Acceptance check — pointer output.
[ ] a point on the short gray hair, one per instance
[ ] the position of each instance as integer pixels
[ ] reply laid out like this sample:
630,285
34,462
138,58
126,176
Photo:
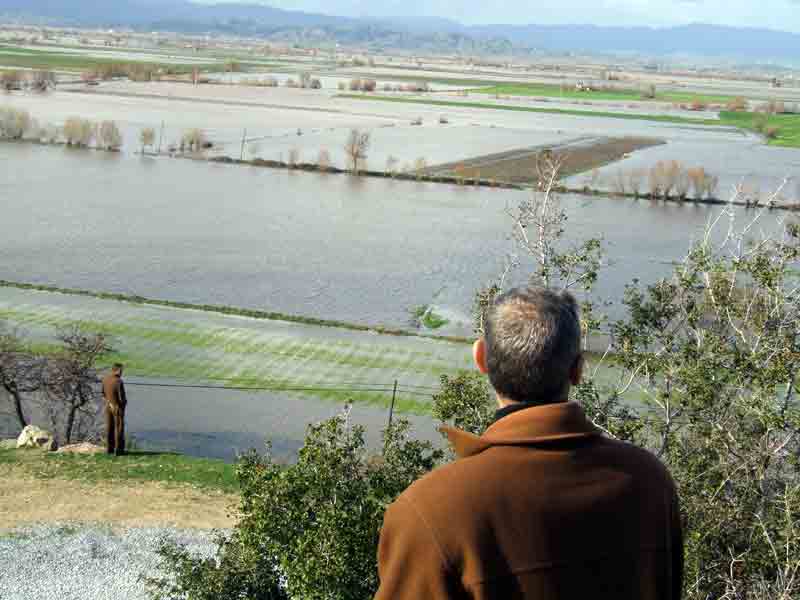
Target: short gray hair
533,340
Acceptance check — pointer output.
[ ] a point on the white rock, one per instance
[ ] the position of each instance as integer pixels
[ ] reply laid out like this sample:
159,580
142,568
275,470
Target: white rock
36,437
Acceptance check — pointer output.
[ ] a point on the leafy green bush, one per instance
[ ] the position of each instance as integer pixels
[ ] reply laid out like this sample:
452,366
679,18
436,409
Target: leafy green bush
308,530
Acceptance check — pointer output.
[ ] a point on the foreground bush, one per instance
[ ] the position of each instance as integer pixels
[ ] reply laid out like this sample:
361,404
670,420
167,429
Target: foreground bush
309,530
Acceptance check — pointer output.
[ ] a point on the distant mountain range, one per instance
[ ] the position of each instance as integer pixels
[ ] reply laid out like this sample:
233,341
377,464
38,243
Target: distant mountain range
407,32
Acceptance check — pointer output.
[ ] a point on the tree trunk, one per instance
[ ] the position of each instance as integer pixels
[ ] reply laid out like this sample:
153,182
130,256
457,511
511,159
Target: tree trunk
16,398
73,409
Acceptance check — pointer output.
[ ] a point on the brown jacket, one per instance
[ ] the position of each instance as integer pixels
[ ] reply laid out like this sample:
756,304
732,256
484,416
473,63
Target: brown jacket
114,392
541,506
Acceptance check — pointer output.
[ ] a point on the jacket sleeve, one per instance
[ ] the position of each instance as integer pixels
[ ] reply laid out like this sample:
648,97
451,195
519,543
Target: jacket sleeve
411,564
122,399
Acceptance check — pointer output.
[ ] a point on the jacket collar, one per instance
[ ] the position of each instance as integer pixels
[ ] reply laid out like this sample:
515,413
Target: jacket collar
549,422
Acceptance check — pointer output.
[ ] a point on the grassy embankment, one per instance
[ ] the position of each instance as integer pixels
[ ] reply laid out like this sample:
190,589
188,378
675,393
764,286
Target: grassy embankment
787,126
232,310
157,467
548,90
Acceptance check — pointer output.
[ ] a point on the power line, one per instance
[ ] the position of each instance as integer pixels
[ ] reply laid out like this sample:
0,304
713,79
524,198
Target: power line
273,388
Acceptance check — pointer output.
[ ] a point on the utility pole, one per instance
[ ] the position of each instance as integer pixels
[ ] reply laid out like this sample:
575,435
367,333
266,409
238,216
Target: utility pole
160,138
391,407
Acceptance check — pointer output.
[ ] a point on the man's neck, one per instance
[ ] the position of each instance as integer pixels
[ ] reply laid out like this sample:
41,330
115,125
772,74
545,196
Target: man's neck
507,407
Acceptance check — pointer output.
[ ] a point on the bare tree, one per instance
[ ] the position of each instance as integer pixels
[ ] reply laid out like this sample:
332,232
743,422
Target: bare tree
20,372
70,395
391,165
147,137
109,135
294,158
356,149
14,123
79,132
324,160
11,80
41,81
420,165
193,140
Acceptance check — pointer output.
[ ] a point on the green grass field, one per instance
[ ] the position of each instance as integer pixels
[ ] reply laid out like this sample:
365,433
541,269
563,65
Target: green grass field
787,127
25,58
292,359
546,90
160,467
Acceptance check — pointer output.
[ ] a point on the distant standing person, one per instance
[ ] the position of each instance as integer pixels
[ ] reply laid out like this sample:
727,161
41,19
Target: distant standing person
114,395
542,506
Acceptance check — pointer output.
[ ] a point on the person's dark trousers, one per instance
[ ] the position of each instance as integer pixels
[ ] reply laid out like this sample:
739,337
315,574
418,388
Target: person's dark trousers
115,432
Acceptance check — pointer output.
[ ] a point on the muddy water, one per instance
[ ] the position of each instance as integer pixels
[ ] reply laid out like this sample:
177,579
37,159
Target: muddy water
327,246
330,246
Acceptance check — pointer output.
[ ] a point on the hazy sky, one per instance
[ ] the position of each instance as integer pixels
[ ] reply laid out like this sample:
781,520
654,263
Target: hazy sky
774,14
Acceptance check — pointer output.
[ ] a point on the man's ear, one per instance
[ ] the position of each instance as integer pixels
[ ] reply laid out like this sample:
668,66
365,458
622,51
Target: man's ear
479,355
576,372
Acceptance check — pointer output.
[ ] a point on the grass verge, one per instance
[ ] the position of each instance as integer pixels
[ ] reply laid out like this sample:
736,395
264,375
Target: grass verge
537,109
610,93
159,467
231,310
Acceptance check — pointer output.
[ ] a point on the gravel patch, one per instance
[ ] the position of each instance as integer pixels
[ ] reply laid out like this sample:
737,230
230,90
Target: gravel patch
67,561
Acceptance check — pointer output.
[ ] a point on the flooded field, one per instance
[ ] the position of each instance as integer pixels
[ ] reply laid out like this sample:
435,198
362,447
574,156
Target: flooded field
279,376
760,170
361,250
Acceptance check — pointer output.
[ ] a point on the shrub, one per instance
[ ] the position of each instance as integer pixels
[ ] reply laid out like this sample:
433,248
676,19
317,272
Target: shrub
697,104
771,132
307,530
649,92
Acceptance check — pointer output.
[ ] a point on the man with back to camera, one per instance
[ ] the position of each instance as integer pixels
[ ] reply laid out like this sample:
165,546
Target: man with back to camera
541,506
116,401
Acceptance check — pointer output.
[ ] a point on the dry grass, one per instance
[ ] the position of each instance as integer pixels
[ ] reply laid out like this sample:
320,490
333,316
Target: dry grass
25,500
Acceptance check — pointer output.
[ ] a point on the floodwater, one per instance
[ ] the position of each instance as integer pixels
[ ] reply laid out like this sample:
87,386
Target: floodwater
219,423
329,246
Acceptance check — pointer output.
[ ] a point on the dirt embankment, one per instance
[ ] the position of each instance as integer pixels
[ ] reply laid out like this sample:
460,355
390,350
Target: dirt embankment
520,166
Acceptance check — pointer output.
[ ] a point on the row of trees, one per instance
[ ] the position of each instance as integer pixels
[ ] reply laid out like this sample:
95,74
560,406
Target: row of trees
61,385
704,368
17,124
666,179
370,85
37,81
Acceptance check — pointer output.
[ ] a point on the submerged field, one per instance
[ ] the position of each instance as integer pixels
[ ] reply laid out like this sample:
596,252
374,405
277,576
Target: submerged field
190,346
